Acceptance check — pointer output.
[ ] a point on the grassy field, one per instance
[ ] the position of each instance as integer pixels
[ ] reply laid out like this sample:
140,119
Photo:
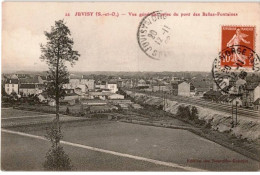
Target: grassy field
50,109
10,112
27,154
14,117
176,146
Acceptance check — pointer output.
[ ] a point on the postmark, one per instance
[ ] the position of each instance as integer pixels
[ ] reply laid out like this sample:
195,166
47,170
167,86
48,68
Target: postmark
231,79
154,35
236,60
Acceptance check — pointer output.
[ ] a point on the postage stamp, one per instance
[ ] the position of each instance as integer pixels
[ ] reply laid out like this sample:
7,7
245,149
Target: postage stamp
236,60
233,36
154,34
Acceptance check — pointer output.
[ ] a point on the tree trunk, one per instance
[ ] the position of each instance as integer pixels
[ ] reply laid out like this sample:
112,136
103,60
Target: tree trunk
57,93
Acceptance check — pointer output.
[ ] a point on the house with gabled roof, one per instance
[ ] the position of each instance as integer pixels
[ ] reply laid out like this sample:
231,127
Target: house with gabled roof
257,104
12,85
29,89
251,94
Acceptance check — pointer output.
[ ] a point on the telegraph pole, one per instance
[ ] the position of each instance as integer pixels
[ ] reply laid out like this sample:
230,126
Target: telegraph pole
232,122
236,112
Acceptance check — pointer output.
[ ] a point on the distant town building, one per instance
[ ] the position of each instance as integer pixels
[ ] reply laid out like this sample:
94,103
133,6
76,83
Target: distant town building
12,85
160,88
184,89
115,96
200,87
74,82
29,89
89,82
257,104
112,86
251,94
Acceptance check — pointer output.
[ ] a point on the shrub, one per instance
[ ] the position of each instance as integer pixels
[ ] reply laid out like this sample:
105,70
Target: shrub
183,111
188,112
56,158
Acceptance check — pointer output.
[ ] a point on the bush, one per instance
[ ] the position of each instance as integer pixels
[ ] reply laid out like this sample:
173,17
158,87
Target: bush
188,112
183,111
56,158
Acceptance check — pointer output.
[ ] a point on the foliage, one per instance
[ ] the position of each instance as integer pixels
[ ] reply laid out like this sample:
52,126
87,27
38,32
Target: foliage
188,112
57,52
12,98
194,113
56,158
3,90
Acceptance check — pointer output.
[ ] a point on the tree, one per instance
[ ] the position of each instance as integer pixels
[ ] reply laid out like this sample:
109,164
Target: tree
3,90
56,157
194,113
57,52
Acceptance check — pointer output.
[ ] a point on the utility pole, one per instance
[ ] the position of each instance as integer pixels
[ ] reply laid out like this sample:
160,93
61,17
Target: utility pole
236,112
232,122
163,102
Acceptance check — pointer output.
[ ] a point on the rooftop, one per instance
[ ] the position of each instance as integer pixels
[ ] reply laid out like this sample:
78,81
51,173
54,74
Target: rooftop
27,86
12,81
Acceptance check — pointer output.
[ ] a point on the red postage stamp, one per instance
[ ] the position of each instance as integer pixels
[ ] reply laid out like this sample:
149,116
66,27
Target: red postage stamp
233,38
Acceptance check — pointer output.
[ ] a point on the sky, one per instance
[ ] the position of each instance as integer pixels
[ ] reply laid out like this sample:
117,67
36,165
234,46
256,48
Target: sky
110,43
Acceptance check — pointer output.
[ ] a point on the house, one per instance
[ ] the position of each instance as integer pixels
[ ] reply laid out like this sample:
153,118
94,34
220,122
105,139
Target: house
12,85
70,98
30,80
99,95
90,83
161,87
251,94
29,89
81,88
74,81
112,86
32,85
103,85
128,84
200,87
184,89
141,83
115,96
257,105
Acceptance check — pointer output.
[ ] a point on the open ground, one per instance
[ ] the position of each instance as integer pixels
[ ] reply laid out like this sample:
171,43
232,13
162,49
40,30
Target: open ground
103,145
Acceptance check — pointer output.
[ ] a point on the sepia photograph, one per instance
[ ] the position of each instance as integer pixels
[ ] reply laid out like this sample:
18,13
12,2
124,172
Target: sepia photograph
130,86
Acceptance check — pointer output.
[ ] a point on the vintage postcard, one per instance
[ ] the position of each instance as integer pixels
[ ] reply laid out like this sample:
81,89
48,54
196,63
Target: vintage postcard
130,86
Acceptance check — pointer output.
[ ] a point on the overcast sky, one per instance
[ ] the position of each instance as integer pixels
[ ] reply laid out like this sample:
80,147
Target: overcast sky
110,43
